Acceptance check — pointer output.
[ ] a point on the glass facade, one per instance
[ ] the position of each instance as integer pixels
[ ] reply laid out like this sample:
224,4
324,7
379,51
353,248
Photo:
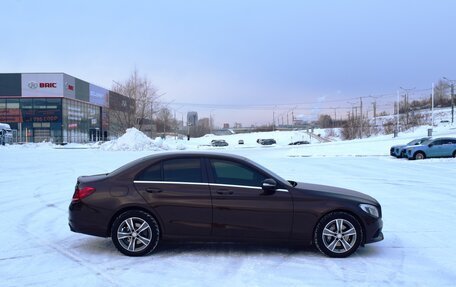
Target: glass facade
51,119
81,121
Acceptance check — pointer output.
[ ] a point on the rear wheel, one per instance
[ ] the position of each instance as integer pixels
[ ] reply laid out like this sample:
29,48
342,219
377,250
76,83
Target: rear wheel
135,233
338,234
454,153
419,155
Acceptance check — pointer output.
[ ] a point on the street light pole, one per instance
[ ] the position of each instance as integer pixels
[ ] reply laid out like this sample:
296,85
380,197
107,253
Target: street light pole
452,98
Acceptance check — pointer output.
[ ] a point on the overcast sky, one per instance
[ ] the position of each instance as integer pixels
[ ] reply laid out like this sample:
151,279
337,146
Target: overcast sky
216,56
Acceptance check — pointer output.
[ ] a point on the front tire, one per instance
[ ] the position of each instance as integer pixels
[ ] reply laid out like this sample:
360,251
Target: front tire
135,233
419,155
338,235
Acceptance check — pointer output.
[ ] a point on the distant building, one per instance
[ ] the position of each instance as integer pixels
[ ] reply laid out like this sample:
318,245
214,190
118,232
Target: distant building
59,108
226,126
204,124
192,118
237,125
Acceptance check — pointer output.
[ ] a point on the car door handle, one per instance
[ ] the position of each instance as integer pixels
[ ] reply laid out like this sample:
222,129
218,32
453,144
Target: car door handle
153,190
224,192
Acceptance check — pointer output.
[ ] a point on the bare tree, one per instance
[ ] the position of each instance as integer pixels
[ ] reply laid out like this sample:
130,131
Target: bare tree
165,121
143,95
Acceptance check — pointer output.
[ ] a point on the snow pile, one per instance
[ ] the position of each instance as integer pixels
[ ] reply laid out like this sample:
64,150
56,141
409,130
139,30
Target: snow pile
134,140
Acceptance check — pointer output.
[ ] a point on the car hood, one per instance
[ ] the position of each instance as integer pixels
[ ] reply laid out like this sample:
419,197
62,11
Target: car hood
398,146
416,146
335,192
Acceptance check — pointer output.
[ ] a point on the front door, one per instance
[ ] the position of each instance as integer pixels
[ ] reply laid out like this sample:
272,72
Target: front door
178,192
240,209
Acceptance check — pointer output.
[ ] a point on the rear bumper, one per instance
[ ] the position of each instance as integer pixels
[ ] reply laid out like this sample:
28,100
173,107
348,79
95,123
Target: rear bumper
83,219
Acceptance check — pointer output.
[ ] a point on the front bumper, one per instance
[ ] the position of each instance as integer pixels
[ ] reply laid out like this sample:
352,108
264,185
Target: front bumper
374,231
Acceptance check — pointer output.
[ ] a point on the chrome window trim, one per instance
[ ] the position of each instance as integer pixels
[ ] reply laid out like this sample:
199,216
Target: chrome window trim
171,182
234,185
197,183
282,190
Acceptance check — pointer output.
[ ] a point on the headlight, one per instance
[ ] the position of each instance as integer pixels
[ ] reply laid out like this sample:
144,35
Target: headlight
372,210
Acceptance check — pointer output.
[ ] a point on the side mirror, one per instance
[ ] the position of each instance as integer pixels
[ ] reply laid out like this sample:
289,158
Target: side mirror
268,186
430,145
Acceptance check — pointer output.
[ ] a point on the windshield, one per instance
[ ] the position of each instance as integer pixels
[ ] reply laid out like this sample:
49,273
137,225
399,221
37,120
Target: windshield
417,141
425,142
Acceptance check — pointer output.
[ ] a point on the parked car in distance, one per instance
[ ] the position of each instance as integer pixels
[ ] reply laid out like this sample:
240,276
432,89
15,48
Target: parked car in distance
399,150
241,142
219,143
209,197
438,147
266,141
299,143
6,135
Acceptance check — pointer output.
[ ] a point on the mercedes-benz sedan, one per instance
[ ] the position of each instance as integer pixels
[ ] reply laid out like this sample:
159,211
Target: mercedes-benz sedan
219,197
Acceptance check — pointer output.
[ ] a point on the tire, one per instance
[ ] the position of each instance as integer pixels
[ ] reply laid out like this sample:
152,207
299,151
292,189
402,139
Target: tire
454,153
419,155
135,233
338,234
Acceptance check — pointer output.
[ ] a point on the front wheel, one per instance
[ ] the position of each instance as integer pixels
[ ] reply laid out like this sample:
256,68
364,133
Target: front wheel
338,234
419,155
135,233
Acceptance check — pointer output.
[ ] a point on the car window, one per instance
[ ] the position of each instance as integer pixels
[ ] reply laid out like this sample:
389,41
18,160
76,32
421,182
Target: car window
447,141
152,173
182,170
228,172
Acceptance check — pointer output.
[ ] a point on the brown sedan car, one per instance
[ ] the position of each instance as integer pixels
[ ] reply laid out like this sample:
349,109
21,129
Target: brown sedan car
218,197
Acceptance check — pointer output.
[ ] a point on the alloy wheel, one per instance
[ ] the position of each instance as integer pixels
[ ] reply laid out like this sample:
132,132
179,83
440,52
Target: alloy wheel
339,236
134,234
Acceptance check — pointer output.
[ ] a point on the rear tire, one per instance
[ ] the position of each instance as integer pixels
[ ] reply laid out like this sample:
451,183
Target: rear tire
338,234
419,155
135,233
454,153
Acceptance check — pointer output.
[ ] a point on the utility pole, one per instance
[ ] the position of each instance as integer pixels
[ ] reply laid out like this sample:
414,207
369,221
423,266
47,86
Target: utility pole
452,102
452,98
374,106
406,100
432,106
361,120
397,112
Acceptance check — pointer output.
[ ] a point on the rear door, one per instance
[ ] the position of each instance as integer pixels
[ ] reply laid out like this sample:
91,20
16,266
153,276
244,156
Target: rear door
436,149
178,191
240,211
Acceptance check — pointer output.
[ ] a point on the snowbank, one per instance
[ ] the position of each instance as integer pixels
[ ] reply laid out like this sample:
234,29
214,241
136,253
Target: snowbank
134,140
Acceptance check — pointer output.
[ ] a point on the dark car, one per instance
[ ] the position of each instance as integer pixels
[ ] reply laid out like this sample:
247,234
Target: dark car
219,143
219,197
266,141
299,143
399,150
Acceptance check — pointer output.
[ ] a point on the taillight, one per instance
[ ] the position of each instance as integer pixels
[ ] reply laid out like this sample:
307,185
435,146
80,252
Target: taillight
82,193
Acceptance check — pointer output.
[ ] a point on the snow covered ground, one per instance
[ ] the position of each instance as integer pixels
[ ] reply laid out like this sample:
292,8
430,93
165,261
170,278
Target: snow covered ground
418,200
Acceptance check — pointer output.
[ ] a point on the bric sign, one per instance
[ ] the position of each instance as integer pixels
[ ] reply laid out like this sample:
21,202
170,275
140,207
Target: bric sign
43,85
35,85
